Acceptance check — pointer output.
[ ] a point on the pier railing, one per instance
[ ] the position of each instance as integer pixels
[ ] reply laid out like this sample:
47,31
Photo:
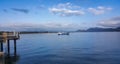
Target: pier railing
9,36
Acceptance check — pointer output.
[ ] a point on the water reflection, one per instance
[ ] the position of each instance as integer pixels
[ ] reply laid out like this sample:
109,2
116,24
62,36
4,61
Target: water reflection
12,59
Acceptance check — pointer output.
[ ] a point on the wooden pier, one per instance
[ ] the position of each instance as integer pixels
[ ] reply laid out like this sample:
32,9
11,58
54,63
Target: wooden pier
5,38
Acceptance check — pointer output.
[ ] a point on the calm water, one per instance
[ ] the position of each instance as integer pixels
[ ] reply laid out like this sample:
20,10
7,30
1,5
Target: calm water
77,48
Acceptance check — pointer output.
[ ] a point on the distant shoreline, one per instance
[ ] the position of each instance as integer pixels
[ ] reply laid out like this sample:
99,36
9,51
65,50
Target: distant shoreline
37,33
70,32
31,32
94,29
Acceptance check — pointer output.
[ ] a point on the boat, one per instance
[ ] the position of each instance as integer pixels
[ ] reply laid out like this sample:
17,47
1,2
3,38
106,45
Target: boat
63,33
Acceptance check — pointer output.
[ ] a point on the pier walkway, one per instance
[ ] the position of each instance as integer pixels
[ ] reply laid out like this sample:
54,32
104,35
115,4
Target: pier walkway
5,38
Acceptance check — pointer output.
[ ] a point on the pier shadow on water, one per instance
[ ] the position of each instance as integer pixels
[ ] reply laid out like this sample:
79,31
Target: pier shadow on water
11,59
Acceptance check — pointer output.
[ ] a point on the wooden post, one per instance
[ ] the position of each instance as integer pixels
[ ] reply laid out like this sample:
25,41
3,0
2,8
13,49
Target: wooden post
8,47
1,45
15,51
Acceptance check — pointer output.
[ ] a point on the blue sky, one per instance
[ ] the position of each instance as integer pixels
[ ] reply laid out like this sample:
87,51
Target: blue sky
58,14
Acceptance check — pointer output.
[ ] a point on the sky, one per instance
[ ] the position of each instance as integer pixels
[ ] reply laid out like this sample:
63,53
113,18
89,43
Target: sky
58,14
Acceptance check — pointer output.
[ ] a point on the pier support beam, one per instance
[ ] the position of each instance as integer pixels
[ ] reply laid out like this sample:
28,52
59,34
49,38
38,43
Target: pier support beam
8,47
15,50
1,46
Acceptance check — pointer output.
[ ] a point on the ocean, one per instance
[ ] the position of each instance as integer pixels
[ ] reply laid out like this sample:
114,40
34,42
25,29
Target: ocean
76,48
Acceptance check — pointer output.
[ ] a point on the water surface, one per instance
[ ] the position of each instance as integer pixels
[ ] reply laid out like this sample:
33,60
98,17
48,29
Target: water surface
76,48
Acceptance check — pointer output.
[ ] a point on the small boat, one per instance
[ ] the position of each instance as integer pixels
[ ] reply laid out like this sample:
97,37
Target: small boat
63,33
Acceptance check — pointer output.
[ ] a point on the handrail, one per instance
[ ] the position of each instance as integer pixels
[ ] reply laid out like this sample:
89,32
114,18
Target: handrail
9,35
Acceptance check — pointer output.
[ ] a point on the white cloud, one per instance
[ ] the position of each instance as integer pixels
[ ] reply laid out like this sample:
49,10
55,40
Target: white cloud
66,12
99,10
66,9
113,22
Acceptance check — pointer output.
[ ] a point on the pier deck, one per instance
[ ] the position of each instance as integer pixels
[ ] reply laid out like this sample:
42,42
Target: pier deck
5,37
9,36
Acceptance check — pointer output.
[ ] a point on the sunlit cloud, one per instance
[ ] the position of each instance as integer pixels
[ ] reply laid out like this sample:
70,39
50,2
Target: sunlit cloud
66,9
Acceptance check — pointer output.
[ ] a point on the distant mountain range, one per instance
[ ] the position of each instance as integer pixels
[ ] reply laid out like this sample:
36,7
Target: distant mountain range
97,29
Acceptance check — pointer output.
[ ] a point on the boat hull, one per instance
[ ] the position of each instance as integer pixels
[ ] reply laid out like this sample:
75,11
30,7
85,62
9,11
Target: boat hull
66,33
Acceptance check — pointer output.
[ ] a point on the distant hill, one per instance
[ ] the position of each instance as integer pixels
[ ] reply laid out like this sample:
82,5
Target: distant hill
118,28
97,29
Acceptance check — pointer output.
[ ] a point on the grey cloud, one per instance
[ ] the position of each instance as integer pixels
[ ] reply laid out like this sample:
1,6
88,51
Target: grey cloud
43,26
112,22
5,10
20,10
41,7
99,10
116,18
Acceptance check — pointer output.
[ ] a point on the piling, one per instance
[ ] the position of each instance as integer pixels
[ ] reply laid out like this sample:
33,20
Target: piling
1,46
